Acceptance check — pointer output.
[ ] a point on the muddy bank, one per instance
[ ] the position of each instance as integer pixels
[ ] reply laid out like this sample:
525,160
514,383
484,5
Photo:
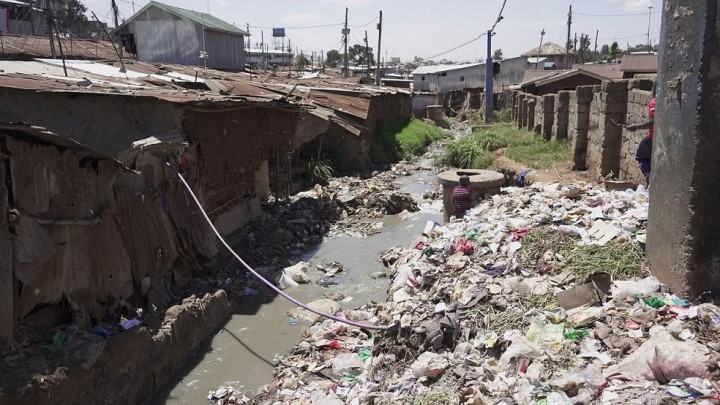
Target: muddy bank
126,368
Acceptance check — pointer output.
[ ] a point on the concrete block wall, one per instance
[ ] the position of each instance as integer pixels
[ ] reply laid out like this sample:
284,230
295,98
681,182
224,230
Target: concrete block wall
605,139
539,114
561,115
637,112
532,107
548,115
579,123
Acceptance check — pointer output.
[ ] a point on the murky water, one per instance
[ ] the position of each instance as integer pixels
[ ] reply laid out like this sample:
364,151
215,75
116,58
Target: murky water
241,353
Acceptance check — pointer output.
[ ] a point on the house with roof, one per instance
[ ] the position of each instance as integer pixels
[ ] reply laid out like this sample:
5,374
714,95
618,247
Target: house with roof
21,18
548,56
540,82
166,34
638,64
445,78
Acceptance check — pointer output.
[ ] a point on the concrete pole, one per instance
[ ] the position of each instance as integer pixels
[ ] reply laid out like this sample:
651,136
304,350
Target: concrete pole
489,80
377,62
683,237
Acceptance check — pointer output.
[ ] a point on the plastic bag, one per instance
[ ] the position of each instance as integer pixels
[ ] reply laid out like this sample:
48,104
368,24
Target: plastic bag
347,363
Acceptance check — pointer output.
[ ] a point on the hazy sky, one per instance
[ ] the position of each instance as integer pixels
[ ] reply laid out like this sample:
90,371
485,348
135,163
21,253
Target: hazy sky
425,28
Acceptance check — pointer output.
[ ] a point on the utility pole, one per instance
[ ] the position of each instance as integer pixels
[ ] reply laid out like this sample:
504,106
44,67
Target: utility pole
367,57
114,7
49,19
262,48
377,62
648,34
596,36
539,52
567,45
133,4
489,80
346,32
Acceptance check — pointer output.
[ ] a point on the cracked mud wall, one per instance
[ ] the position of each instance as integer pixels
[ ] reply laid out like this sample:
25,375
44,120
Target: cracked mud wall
684,219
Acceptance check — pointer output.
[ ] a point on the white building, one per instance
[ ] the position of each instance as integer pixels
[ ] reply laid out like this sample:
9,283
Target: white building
277,57
444,78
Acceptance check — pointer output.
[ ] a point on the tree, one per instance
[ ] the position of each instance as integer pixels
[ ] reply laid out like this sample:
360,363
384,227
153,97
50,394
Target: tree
605,50
333,57
69,15
583,53
614,50
357,54
301,62
497,55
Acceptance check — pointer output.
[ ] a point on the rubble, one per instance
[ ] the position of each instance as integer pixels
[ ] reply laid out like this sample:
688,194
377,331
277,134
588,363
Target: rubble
483,325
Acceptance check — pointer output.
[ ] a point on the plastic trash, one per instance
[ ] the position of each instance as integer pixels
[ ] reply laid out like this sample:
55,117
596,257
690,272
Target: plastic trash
576,334
347,363
632,288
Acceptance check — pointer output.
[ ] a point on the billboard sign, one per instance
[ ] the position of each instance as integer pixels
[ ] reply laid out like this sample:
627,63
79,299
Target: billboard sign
279,32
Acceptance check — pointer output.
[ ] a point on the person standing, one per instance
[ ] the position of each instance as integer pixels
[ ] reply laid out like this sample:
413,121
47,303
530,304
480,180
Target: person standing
643,154
462,197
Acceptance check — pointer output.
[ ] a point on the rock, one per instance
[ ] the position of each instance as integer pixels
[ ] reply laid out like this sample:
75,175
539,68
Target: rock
298,273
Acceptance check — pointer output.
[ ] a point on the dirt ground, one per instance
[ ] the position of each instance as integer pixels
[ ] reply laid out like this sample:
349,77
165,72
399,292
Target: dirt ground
561,173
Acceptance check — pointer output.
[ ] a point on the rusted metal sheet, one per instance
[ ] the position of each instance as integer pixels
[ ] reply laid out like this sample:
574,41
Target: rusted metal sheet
90,264
28,46
234,146
32,246
148,233
356,105
48,183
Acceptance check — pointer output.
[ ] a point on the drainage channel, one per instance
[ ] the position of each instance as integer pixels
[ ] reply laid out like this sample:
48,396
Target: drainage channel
241,354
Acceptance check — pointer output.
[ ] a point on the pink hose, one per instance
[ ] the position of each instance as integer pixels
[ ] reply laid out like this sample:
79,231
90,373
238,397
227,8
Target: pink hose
256,274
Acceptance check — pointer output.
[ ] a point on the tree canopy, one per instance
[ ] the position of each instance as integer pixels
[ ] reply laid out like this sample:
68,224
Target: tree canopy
333,57
498,55
357,54
69,15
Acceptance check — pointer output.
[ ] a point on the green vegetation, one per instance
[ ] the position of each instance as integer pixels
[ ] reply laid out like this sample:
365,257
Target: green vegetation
320,171
474,150
402,139
504,115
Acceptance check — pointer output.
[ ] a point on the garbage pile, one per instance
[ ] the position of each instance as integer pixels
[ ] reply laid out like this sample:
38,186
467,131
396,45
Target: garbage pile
540,295
348,205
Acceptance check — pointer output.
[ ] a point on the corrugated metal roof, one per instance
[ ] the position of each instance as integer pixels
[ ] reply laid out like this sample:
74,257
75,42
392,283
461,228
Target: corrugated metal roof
639,63
535,75
356,105
206,20
15,3
547,49
28,46
608,70
564,74
441,68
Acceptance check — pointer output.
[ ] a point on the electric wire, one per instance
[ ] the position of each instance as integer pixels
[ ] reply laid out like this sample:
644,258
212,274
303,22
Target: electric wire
256,274
492,29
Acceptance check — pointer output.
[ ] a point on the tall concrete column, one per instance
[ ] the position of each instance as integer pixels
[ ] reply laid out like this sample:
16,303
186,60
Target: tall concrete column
684,221
579,123
531,105
562,108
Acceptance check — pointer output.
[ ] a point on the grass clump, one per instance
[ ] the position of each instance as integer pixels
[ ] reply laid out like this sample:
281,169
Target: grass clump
465,153
539,154
402,139
541,247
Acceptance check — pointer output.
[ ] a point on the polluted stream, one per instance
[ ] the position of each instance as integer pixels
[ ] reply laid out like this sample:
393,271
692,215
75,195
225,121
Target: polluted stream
241,354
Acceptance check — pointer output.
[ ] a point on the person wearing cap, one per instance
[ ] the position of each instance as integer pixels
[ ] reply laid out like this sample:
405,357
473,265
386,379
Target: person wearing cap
643,154
462,197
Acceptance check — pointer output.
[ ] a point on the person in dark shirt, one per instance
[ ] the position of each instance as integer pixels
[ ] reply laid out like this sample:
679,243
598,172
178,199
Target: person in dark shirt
643,154
462,197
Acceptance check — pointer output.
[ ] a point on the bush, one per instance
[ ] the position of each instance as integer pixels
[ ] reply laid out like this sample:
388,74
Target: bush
320,171
465,153
504,115
490,140
402,139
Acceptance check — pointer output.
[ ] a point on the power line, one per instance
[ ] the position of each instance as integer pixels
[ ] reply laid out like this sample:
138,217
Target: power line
615,15
634,36
301,28
363,26
499,17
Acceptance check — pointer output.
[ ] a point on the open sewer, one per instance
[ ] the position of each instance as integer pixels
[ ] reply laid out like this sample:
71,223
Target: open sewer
241,353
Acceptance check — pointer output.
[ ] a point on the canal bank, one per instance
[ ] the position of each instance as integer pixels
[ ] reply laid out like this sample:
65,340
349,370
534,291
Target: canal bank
244,352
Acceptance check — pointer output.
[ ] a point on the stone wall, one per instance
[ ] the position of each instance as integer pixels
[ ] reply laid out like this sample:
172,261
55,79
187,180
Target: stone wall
637,111
560,121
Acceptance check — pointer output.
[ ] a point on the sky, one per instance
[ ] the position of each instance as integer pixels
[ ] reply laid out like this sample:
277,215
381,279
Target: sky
425,28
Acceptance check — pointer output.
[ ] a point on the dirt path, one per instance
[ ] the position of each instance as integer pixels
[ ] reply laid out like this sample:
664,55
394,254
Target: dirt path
561,173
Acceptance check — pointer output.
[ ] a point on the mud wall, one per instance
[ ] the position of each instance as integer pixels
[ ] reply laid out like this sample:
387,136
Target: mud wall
137,362
107,122
683,229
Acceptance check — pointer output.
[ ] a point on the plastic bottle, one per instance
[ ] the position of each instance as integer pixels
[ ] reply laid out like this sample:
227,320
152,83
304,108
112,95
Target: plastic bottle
576,334
293,321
